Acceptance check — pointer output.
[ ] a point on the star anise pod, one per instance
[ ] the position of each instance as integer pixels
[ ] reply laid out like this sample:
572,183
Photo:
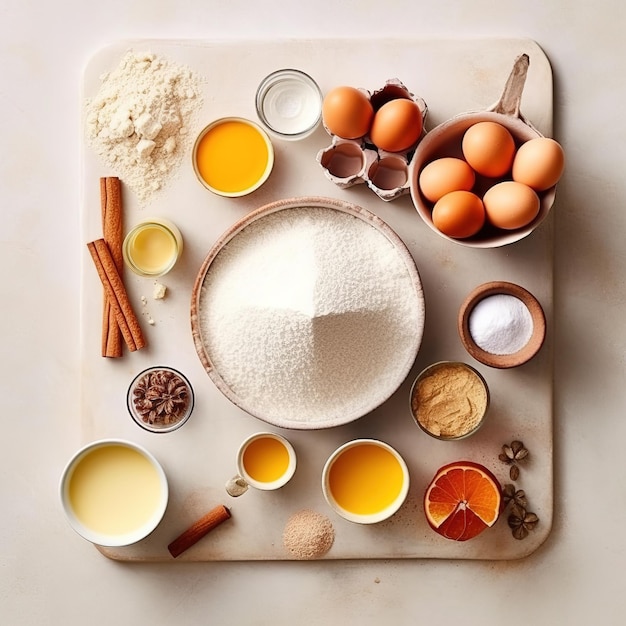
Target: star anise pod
521,521
513,453
516,496
161,397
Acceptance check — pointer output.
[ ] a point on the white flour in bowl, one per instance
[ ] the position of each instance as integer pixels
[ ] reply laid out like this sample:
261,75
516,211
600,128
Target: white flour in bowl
311,315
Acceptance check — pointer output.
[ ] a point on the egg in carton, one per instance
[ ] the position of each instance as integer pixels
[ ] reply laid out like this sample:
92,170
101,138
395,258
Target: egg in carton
349,161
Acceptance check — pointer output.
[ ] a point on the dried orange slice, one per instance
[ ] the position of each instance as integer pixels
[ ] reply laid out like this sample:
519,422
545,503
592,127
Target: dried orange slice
463,499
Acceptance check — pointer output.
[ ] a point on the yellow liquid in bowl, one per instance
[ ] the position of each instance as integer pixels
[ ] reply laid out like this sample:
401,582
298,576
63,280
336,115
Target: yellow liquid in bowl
365,479
232,157
114,490
266,459
152,248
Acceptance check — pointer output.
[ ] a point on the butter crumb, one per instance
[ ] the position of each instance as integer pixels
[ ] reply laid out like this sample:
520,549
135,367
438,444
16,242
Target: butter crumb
159,291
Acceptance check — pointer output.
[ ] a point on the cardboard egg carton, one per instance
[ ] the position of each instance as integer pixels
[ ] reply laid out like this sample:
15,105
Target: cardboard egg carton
348,162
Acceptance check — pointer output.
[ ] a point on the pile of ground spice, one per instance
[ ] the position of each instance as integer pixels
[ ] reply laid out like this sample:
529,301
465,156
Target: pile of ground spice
308,535
449,400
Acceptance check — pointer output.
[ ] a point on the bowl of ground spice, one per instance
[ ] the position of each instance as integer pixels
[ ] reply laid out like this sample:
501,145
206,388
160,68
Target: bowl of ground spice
449,400
308,313
501,324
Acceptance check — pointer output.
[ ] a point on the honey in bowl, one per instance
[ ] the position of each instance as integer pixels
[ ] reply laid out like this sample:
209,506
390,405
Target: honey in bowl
233,157
365,481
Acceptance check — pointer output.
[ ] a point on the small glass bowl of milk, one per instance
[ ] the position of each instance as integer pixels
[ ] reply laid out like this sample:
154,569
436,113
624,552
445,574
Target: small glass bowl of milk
289,104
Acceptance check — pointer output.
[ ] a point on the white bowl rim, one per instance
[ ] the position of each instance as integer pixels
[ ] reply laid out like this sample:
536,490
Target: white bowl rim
100,538
268,168
388,511
279,482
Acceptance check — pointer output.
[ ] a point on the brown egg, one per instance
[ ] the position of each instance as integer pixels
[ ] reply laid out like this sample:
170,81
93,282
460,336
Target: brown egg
459,214
444,175
489,148
539,163
511,205
397,125
347,112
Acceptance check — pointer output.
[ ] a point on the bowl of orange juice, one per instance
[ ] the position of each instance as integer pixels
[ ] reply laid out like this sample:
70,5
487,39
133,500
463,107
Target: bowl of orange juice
266,461
114,492
233,157
365,481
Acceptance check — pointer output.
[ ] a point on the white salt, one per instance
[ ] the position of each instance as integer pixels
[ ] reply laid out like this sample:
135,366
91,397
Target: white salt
311,314
500,324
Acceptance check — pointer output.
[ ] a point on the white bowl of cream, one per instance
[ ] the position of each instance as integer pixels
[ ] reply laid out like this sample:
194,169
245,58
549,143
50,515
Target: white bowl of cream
114,492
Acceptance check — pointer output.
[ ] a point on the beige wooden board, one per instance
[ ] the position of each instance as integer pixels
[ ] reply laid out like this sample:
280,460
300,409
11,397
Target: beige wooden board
453,76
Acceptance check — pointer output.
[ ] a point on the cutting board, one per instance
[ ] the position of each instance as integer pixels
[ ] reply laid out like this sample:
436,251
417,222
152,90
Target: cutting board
452,76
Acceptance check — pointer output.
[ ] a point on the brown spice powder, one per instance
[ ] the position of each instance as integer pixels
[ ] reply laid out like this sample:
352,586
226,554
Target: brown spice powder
449,400
308,535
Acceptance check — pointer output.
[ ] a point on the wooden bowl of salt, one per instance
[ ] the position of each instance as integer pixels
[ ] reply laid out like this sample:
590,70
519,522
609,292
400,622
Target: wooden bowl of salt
501,324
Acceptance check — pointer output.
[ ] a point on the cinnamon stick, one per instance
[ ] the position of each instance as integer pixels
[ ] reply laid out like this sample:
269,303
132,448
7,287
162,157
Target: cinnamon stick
116,294
198,530
112,229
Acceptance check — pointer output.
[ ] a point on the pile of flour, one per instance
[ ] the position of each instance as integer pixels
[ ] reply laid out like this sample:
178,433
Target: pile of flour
139,122
310,315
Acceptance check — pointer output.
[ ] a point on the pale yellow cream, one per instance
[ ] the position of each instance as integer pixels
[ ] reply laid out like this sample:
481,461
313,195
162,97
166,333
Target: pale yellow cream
114,490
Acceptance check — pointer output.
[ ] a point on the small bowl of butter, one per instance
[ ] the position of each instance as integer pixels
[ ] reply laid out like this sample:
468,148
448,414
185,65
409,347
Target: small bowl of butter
114,492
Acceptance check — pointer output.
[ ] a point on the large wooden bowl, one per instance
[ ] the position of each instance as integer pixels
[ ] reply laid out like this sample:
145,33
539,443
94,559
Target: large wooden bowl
343,408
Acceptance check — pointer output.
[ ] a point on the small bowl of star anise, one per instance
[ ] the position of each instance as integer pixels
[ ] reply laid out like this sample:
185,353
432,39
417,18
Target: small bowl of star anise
160,399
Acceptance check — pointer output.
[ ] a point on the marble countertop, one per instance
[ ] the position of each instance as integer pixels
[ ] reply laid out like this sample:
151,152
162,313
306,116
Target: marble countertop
48,575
